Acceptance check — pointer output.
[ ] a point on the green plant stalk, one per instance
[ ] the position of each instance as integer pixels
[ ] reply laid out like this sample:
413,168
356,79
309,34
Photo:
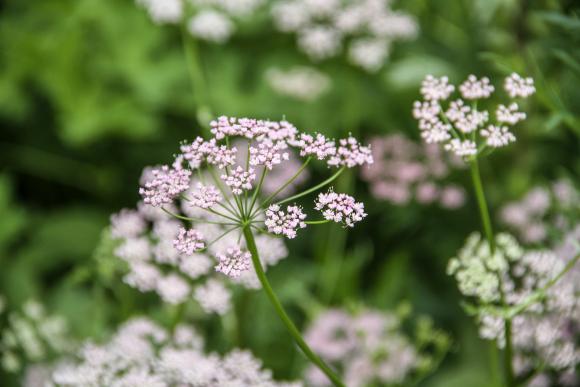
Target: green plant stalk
488,230
315,188
251,244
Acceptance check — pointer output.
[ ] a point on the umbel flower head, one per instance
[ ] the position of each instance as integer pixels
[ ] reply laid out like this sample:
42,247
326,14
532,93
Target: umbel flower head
142,353
230,194
462,126
210,20
186,237
540,290
367,27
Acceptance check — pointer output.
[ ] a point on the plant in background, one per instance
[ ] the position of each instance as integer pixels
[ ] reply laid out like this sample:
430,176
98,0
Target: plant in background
368,27
299,82
405,171
370,348
228,194
537,291
211,20
505,281
141,353
32,336
543,211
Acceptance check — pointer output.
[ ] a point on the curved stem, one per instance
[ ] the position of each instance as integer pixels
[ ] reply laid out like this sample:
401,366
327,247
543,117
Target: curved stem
488,230
251,244
315,188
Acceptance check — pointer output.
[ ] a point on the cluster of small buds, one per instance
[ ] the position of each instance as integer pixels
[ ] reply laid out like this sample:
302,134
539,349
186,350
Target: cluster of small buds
542,211
317,145
32,336
404,170
188,241
461,127
213,20
233,262
268,154
301,83
205,196
322,27
546,330
240,180
142,353
368,348
340,208
350,154
478,272
167,183
286,223
516,86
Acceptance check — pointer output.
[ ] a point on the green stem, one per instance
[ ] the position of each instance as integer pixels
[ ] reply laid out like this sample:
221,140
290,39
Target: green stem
488,230
256,190
251,244
317,221
315,188
482,203
269,198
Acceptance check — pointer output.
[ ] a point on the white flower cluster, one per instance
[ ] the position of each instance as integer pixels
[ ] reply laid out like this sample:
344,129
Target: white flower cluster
32,336
141,353
162,256
368,348
543,210
404,171
210,20
546,331
462,126
300,82
322,27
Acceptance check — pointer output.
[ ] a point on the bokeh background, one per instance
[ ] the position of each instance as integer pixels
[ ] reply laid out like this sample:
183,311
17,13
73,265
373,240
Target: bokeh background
91,91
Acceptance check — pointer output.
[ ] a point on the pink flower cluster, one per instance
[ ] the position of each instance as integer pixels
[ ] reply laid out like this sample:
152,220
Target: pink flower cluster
350,154
223,198
463,128
188,241
286,223
404,170
239,180
542,210
233,262
366,348
340,208
205,196
167,183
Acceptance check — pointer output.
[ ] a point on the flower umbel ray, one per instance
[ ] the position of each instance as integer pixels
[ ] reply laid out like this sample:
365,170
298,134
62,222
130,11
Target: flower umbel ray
221,185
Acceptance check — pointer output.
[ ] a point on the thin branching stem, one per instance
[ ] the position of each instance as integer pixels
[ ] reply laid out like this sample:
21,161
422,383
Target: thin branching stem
272,196
197,220
315,188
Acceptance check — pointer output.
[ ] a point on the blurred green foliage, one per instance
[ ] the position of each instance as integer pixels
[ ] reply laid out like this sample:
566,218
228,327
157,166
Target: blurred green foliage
91,91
